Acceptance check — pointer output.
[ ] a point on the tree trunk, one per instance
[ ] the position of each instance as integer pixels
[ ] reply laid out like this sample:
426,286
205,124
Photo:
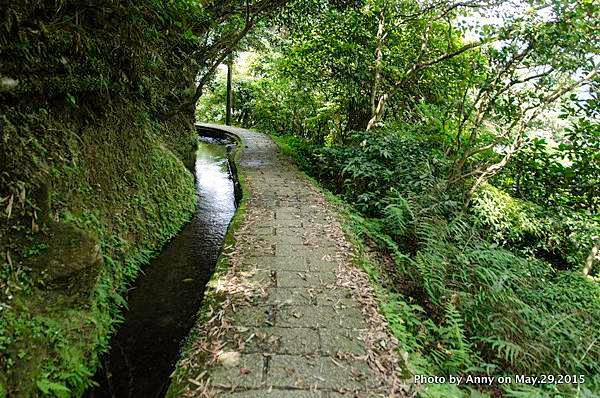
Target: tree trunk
378,61
377,101
379,111
589,261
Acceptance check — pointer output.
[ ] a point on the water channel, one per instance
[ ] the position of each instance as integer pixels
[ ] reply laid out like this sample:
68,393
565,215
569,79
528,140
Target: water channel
165,298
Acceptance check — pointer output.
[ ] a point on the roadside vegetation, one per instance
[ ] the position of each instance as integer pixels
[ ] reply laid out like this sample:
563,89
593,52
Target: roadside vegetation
464,137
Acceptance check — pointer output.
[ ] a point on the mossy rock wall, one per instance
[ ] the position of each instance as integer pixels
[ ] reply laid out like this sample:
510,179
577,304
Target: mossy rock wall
94,177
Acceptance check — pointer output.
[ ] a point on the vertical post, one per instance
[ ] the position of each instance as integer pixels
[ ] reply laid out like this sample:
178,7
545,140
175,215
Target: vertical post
229,93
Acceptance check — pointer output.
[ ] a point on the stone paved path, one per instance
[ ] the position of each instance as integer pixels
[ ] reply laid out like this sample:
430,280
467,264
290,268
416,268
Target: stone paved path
299,320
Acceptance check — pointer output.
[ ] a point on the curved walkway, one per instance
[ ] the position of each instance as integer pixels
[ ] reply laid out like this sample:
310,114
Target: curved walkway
296,318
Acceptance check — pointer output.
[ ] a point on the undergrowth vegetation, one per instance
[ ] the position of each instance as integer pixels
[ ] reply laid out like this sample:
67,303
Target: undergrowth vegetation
463,135
473,293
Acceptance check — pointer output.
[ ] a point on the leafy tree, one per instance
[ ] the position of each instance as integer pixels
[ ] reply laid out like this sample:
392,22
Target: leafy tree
217,36
582,150
539,56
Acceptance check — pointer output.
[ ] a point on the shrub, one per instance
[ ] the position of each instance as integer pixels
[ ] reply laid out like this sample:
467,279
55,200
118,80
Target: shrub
559,235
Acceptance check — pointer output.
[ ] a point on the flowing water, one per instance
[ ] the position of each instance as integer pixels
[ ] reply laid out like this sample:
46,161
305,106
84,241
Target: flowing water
164,300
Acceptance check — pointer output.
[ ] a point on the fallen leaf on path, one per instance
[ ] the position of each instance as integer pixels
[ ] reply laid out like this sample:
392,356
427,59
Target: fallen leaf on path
229,359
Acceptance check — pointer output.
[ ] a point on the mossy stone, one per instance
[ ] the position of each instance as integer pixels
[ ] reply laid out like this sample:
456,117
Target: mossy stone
72,262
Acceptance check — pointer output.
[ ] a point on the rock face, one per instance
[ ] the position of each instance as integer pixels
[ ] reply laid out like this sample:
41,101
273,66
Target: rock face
92,176
73,260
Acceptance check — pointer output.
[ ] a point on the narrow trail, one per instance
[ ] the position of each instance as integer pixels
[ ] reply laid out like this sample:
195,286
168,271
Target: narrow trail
296,319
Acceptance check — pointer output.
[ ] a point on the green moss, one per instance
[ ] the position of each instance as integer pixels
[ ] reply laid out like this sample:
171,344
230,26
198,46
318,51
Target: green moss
115,203
115,191
93,178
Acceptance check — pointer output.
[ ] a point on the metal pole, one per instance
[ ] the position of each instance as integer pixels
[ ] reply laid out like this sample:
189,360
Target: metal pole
229,94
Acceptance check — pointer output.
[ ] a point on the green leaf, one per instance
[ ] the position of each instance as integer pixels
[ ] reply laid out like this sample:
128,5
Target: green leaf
49,387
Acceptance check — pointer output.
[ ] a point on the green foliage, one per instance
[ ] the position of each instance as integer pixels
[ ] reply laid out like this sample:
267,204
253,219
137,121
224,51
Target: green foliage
520,316
317,79
397,218
493,269
539,174
374,170
85,58
83,146
453,353
130,224
566,175
561,235
492,287
481,308
211,107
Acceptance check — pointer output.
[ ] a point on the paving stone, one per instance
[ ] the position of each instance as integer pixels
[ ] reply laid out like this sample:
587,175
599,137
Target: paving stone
304,279
264,231
291,296
318,264
289,239
328,243
348,341
288,213
290,209
263,240
337,298
314,231
317,316
330,266
272,393
289,231
339,303
318,221
354,394
280,263
286,250
260,277
319,372
262,248
322,252
292,341
247,373
300,318
290,202
253,316
332,297
295,223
